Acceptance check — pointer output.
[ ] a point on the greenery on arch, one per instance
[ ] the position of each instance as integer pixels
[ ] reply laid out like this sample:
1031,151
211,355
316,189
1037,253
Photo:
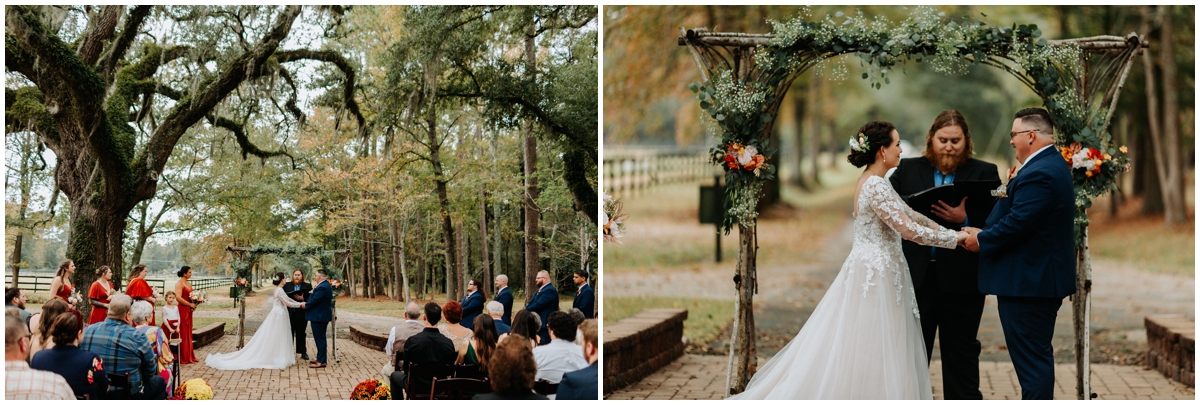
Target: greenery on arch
241,264
742,106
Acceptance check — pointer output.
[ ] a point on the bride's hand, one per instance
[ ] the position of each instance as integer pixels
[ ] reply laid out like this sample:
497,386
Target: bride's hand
962,236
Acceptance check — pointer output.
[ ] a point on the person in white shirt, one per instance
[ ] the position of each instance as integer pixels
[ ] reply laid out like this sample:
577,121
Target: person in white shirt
562,355
20,381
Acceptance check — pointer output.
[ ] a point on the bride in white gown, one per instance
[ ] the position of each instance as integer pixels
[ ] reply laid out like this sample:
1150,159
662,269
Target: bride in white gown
269,347
863,341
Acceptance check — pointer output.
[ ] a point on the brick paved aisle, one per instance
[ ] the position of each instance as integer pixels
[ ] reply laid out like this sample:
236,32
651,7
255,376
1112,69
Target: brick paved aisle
296,382
703,377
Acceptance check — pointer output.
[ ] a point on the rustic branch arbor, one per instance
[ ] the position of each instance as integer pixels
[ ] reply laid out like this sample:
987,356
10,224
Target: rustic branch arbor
245,259
1080,92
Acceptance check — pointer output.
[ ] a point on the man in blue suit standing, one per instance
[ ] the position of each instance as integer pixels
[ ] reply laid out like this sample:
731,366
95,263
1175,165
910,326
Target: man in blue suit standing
318,311
585,298
1027,252
505,298
472,303
544,302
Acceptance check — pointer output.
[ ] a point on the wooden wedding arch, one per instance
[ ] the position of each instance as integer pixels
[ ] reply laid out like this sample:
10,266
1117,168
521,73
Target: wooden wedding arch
1106,61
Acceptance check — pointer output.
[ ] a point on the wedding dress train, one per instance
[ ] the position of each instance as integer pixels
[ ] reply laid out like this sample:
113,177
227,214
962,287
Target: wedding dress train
863,341
270,347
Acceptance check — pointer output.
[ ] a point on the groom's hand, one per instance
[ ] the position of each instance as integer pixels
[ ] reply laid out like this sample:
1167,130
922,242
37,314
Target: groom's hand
972,241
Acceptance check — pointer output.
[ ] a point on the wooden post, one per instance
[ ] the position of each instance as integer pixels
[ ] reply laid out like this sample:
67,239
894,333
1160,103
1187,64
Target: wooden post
1081,308
743,353
242,324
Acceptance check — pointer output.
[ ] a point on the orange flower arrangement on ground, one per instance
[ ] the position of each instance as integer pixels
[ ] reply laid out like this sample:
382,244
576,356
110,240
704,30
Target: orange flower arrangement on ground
371,389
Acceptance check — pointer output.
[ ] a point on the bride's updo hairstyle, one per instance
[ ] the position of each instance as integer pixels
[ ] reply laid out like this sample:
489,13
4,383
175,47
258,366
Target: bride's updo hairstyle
278,278
877,134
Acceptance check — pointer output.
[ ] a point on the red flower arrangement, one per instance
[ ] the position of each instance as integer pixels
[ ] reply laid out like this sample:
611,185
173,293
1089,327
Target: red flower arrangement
242,282
371,389
335,283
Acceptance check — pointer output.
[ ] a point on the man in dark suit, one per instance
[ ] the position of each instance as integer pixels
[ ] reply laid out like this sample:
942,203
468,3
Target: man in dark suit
581,384
585,298
495,308
472,304
319,311
945,280
543,303
299,290
504,297
427,347
1027,251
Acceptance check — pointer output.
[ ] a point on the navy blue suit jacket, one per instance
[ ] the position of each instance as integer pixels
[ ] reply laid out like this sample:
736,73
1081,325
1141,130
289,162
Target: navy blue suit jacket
1028,248
505,298
584,299
579,385
472,306
501,327
544,303
318,306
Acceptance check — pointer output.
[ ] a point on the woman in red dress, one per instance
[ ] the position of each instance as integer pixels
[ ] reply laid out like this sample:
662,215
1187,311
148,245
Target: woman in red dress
62,286
183,289
98,295
139,290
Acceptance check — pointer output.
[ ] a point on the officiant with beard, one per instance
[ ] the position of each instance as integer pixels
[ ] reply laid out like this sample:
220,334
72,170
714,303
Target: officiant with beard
946,280
298,290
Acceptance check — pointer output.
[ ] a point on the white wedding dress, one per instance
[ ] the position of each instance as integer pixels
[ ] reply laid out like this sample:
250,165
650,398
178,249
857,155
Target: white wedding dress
863,341
270,347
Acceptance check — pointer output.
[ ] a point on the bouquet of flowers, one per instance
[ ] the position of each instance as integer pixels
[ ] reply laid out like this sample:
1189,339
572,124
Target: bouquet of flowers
371,389
1088,159
736,156
197,296
335,283
194,389
612,220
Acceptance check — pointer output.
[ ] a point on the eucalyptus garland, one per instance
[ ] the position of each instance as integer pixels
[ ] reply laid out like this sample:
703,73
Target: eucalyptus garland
241,264
743,109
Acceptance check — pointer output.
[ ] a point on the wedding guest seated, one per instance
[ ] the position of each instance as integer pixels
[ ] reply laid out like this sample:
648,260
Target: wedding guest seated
427,347
83,370
399,335
124,350
578,316
482,344
511,371
40,324
496,311
14,298
20,381
562,355
581,384
453,329
142,312
525,325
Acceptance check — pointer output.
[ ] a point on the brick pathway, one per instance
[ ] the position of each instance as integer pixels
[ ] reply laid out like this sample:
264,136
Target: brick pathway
296,382
703,377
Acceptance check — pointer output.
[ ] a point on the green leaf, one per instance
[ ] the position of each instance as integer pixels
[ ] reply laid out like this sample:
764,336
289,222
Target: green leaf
1037,32
878,86
703,95
704,105
839,14
864,76
720,117
765,118
693,87
887,80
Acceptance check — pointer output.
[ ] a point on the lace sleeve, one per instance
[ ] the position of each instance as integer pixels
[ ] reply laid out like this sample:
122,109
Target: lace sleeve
283,298
910,224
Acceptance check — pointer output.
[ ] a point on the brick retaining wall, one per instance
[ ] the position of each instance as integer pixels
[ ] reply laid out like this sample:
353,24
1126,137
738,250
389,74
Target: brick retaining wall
1172,340
367,338
641,344
208,334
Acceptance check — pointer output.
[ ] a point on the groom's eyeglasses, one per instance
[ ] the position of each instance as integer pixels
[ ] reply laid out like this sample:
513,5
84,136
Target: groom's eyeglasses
1012,135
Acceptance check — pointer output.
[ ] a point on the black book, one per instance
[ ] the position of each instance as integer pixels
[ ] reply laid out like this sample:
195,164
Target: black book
951,194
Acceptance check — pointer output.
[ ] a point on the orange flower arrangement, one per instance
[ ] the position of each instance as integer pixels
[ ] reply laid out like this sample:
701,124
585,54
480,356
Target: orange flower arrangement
371,389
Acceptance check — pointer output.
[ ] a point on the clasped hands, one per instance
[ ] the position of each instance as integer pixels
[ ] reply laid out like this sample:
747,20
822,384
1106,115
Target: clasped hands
968,238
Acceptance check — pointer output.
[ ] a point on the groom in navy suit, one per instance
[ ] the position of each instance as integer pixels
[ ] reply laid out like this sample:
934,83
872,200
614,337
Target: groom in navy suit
1027,252
318,312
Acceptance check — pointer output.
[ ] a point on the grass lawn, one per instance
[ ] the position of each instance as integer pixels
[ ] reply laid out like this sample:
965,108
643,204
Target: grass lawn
230,323
705,319
1146,242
